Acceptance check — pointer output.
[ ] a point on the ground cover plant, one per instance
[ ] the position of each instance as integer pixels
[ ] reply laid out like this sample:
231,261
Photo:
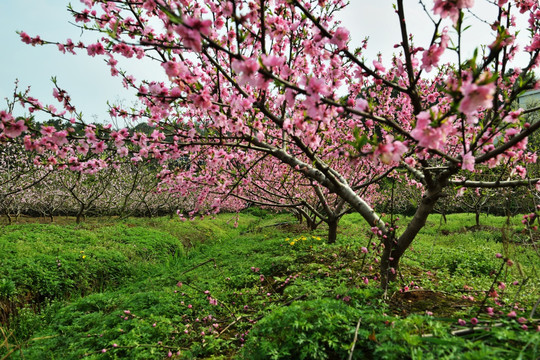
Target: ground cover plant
163,288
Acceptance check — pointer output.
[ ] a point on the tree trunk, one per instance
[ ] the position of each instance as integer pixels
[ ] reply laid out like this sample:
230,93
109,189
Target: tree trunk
477,218
312,225
394,249
332,231
80,214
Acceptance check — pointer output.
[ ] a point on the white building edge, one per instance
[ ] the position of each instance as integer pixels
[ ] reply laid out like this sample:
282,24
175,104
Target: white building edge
529,99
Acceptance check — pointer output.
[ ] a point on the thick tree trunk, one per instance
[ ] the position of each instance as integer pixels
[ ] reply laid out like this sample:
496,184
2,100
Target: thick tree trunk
80,214
332,231
394,249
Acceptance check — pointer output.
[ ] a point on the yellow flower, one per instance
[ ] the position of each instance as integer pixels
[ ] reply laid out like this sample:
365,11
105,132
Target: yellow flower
84,256
292,243
287,239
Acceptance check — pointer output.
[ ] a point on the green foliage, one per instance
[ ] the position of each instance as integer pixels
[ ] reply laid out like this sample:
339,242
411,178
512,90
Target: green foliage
315,329
62,262
282,301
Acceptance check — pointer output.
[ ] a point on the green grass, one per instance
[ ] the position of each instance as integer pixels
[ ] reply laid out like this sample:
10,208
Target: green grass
208,289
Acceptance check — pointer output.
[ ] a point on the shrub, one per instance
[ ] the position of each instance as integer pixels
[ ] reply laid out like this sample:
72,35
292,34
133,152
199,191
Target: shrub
315,329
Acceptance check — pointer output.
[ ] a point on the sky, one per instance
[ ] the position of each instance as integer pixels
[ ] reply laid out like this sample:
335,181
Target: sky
88,79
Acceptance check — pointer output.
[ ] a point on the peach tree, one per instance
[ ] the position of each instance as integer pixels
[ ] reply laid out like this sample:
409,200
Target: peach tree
255,79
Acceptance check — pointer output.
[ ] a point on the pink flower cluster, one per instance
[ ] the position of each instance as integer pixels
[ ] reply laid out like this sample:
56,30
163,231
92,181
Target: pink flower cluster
431,56
390,151
476,96
9,126
451,8
428,136
191,31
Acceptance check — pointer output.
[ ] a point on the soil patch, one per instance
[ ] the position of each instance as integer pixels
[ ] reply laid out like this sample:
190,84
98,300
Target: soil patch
418,301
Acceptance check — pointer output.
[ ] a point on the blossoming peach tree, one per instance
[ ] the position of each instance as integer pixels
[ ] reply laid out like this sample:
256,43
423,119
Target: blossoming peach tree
256,79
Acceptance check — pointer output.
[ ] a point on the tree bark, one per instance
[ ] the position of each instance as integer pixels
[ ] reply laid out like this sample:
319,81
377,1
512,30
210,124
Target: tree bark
332,231
394,249
80,214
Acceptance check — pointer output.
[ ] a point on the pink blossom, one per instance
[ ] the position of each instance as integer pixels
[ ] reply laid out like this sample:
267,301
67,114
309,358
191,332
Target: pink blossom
428,136
431,56
191,32
476,96
272,61
15,129
340,37
25,37
451,8
391,150
513,116
124,49
317,86
378,66
361,104
512,314
172,68
474,321
247,69
468,162
95,49
520,171
462,322
509,263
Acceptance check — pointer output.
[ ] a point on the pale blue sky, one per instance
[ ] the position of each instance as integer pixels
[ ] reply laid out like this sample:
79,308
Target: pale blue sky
88,81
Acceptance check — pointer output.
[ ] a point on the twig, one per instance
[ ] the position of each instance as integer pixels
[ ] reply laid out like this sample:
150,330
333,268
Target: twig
355,338
293,300
534,308
201,264
464,331
491,287
228,326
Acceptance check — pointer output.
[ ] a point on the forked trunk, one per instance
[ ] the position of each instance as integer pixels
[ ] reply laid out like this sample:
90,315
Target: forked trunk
394,249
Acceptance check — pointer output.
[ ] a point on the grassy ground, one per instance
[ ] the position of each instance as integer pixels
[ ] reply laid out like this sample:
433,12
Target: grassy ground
160,288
